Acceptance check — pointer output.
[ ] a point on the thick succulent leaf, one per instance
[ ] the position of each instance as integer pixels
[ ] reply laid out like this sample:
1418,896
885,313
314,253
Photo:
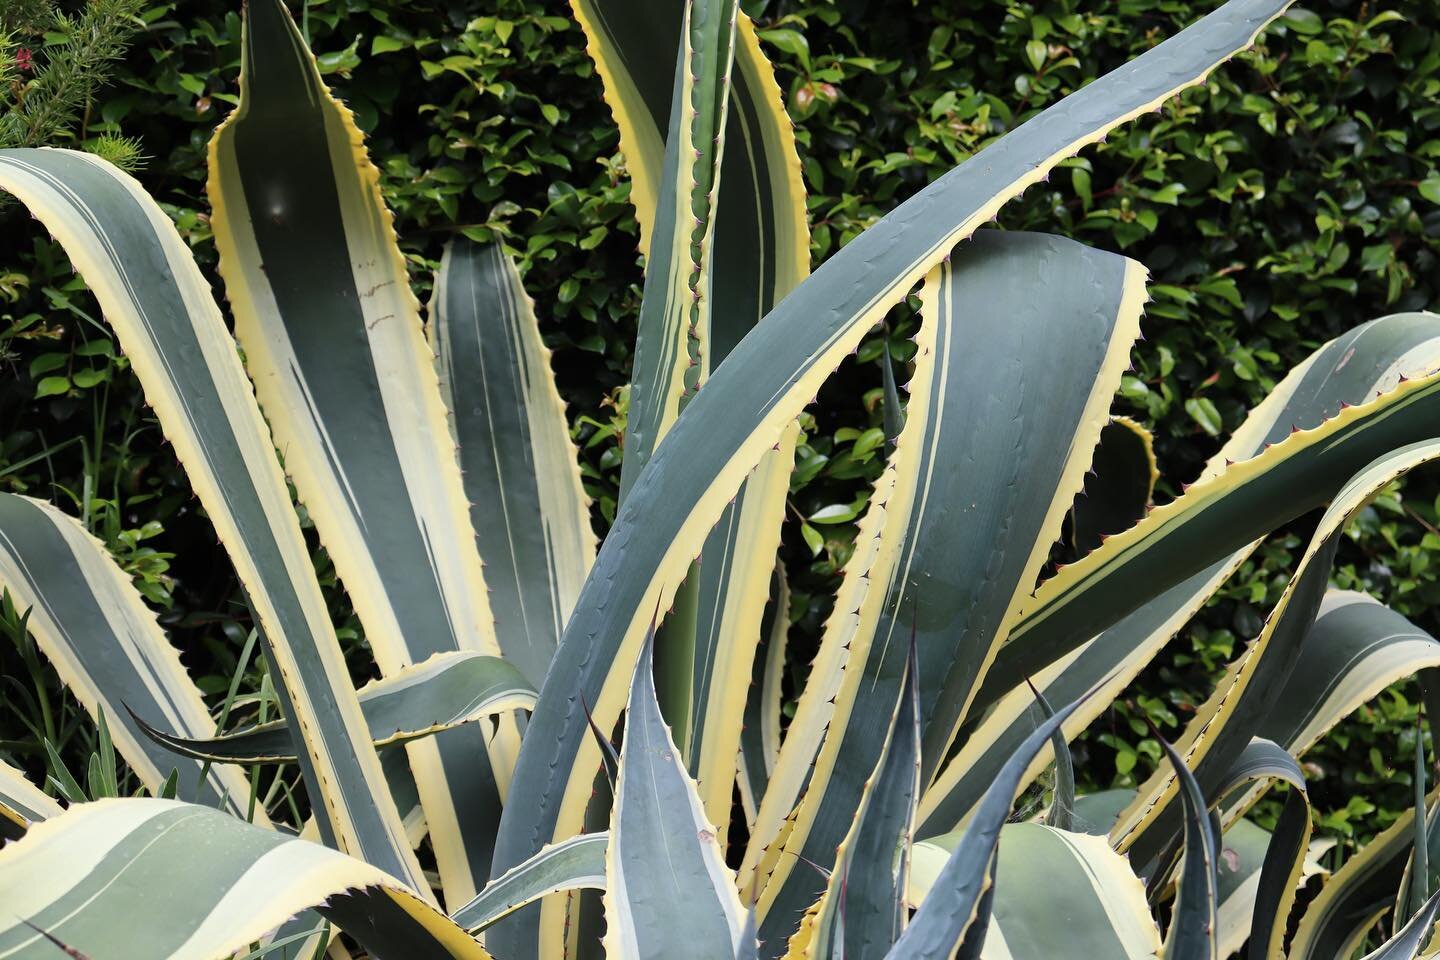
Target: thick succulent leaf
1022,344
756,251
574,864
673,331
447,690
732,584
760,732
1118,488
761,241
1347,370
1096,813
95,629
1242,854
1410,939
1357,648
773,372
1057,894
521,469
1277,876
1215,517
668,892
162,312
953,903
1193,933
1224,725
863,909
22,803
1357,895
111,866
333,340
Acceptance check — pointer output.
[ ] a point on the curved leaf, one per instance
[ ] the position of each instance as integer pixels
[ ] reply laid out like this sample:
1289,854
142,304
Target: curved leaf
1193,933
574,864
109,651
166,320
765,383
1345,371
1117,490
1224,725
1357,895
110,866
332,338
1062,894
1017,330
442,693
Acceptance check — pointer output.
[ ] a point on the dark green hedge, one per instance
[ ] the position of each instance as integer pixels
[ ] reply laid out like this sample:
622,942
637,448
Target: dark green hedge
1294,195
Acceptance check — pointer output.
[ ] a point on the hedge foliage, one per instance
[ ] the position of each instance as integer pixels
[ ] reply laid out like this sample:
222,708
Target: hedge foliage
1293,196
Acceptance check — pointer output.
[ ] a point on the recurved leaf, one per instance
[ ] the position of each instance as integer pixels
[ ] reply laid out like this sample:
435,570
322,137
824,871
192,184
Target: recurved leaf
574,864
1044,874
110,866
442,693
750,400
166,320
95,629
332,338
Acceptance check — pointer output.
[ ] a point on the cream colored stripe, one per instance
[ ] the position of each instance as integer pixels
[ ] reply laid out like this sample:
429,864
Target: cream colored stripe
13,784
850,631
1118,891
152,658
94,258
641,142
79,840
1155,794
570,541
756,539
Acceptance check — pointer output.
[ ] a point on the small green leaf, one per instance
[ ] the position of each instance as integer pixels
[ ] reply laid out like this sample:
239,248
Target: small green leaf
792,42
1203,412
52,386
834,513
1303,21
1430,189
813,540
47,362
1036,52
383,44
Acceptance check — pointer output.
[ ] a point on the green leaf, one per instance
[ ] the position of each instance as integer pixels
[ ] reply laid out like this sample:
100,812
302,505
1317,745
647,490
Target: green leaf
1036,52
52,386
1202,411
1303,21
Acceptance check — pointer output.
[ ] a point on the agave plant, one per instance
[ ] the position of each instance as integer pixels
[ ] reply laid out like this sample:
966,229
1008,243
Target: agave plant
440,475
